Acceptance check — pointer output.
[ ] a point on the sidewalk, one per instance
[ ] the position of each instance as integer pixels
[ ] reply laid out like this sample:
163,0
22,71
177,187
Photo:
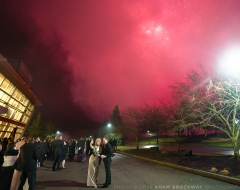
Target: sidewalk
74,177
64,179
127,172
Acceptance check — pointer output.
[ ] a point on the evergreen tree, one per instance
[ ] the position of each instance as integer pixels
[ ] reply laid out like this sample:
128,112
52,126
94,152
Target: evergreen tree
49,129
34,130
38,128
116,121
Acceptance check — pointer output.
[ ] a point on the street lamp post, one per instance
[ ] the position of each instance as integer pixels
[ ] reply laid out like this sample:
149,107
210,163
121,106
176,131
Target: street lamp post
149,135
109,125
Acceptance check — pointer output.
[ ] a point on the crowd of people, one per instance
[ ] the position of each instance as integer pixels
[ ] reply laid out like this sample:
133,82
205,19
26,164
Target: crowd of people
19,160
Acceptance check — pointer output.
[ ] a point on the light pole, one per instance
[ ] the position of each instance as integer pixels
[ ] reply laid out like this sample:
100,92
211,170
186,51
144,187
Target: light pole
148,134
109,125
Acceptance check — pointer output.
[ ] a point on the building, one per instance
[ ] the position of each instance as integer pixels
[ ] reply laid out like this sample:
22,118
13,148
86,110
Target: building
17,100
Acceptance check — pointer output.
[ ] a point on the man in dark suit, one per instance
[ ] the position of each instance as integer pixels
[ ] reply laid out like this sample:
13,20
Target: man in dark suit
81,144
58,146
37,142
53,148
88,146
43,150
29,154
106,155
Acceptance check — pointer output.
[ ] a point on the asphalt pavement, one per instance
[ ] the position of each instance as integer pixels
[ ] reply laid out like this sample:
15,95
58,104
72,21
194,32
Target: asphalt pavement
127,173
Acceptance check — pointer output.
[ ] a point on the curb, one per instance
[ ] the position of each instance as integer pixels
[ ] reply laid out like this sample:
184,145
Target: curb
190,170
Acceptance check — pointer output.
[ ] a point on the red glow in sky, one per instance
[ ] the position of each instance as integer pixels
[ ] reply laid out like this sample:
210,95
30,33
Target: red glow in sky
123,53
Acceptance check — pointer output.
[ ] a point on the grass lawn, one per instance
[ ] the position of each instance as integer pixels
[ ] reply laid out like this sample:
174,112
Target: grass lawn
122,148
218,142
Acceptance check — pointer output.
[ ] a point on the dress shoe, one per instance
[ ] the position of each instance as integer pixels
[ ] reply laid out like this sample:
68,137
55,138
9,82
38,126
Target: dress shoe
104,186
53,170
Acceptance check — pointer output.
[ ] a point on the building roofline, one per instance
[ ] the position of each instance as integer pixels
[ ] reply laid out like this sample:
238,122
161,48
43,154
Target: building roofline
14,77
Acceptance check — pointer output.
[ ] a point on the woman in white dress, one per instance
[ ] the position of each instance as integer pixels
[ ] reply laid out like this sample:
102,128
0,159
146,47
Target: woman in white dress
93,166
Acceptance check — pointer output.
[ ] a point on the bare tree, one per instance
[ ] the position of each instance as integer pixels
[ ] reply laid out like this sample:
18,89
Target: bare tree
176,124
154,118
133,122
212,103
220,108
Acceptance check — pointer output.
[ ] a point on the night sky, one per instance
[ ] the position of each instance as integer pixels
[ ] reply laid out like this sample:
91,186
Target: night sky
86,56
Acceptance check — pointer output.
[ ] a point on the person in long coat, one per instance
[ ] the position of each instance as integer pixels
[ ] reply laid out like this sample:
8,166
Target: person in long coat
43,150
53,148
94,162
58,147
71,149
81,145
29,154
65,152
106,155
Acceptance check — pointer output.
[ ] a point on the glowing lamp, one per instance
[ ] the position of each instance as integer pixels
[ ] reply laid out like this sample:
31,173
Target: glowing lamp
230,62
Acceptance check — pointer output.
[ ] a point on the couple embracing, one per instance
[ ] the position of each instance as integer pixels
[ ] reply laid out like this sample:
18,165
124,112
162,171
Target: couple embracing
98,153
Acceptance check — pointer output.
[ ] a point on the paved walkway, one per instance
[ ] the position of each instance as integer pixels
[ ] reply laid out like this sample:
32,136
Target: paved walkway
127,173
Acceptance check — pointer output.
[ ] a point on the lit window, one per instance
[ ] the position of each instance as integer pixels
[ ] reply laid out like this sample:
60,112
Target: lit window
26,102
5,84
1,94
22,100
21,107
1,78
9,89
15,93
10,112
19,95
18,116
5,97
15,103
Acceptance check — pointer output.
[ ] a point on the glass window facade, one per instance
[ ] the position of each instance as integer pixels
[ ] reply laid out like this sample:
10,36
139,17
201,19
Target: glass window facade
20,109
